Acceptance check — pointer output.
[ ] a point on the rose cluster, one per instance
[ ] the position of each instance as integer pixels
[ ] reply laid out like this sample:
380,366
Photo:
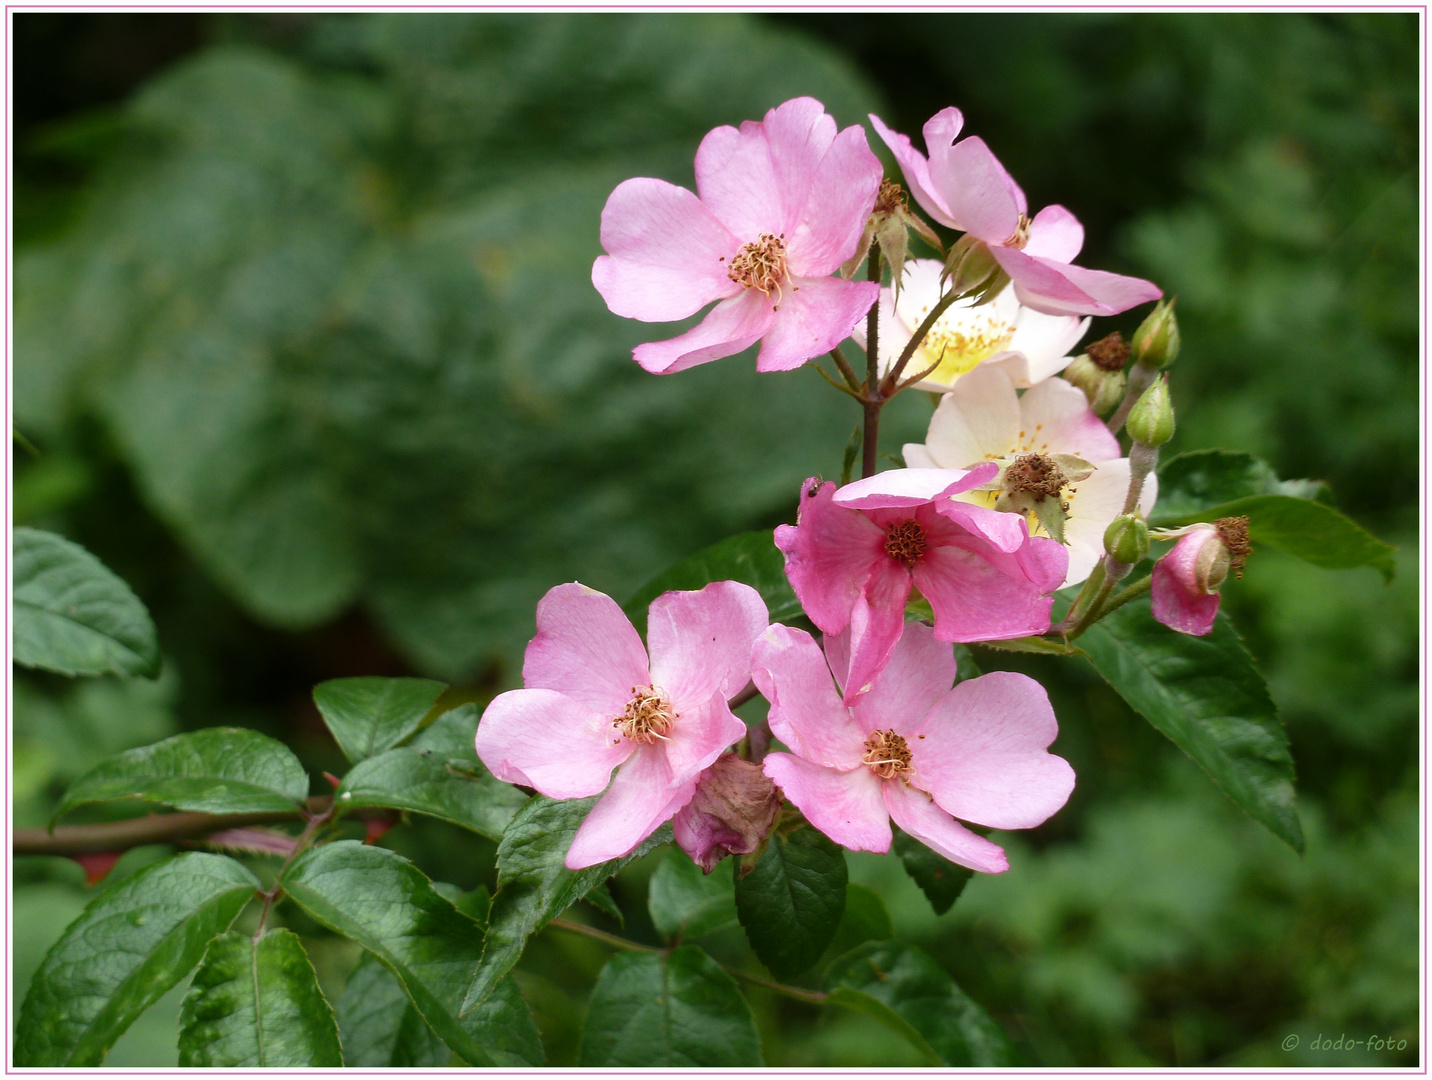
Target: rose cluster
1008,500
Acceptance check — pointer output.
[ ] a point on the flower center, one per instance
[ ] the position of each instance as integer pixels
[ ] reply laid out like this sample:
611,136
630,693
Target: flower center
1109,353
1020,236
889,198
761,265
905,540
1233,531
962,338
648,715
1035,474
888,755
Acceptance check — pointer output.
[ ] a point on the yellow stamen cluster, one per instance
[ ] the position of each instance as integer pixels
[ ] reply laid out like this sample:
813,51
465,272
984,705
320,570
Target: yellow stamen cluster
648,715
905,540
962,339
888,755
761,265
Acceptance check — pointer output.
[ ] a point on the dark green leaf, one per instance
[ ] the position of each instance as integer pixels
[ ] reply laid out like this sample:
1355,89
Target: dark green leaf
456,789
751,557
687,903
908,992
216,770
668,1010
380,900
792,900
382,1030
865,918
1205,694
601,898
256,1004
73,614
533,884
368,715
1192,484
939,879
966,667
133,943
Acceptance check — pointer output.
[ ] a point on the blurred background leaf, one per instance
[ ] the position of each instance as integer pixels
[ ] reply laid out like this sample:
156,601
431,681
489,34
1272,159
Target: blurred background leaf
305,334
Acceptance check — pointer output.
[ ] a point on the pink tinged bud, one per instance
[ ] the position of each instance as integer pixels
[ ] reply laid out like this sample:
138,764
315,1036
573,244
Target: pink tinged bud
732,811
1186,581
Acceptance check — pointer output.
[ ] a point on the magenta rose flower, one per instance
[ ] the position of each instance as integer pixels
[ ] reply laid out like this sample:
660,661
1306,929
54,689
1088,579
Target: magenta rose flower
1186,582
593,702
911,748
855,554
963,185
781,205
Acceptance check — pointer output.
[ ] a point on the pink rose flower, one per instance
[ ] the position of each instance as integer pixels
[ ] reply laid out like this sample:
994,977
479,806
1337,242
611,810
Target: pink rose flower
911,748
855,554
963,185
782,203
1186,581
593,702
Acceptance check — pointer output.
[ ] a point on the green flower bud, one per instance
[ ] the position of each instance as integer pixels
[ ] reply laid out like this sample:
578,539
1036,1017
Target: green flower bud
1156,340
1127,539
971,267
1110,393
1151,419
1104,389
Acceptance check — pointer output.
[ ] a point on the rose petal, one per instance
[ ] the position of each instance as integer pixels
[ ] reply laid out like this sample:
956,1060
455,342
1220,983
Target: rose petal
919,672
829,555
549,741
815,316
700,642
876,621
1097,502
982,753
974,601
945,125
585,648
911,487
917,814
1055,418
1057,288
846,806
978,420
730,327
699,735
1176,599
1055,234
838,203
639,799
664,253
980,193
806,713
799,136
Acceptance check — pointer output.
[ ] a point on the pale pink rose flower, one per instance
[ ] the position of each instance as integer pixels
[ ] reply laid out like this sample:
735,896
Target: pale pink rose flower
910,748
781,205
1029,345
1184,592
593,702
984,419
963,185
855,554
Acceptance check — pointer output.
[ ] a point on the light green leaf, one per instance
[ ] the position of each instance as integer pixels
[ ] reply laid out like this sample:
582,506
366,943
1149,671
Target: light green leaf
133,943
907,991
382,1030
256,1004
368,715
750,557
939,879
668,1010
1205,694
533,884
216,770
380,900
436,778
685,902
73,614
791,901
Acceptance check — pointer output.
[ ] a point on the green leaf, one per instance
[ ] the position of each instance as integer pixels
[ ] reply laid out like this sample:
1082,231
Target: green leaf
1205,694
533,884
380,900
791,901
1040,646
864,919
452,785
668,1010
368,715
903,988
73,614
1291,516
256,1004
133,943
381,1029
750,557
601,898
939,879
685,902
216,770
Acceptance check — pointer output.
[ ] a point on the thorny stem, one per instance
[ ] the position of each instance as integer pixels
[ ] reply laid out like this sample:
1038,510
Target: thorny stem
813,997
846,371
1143,459
874,399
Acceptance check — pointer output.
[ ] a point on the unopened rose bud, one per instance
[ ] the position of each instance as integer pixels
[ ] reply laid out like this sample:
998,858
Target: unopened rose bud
1151,419
1186,581
1103,389
732,811
1156,340
971,268
1127,538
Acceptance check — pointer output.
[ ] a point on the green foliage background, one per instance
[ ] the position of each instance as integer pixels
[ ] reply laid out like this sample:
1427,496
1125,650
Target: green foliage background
305,331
